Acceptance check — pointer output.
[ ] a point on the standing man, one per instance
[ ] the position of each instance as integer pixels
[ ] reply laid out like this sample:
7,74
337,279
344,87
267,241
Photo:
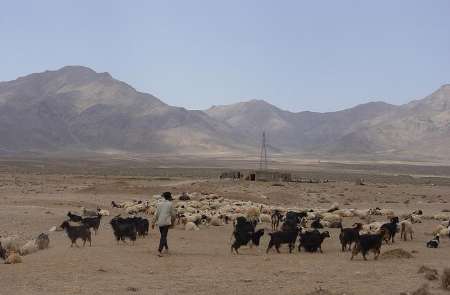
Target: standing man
164,218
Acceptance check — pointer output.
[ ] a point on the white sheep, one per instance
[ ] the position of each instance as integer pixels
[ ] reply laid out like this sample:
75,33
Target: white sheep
10,243
441,230
406,229
216,221
13,258
441,216
190,226
29,248
265,218
331,217
103,212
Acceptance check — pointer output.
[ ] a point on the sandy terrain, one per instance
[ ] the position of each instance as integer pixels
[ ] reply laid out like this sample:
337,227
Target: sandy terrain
201,262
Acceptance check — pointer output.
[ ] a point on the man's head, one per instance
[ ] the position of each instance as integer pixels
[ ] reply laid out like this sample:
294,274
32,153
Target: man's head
167,196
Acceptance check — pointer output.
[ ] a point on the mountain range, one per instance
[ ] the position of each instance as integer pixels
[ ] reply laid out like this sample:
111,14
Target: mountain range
75,109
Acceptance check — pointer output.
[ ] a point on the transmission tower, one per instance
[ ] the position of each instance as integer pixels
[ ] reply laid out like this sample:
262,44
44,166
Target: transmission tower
263,154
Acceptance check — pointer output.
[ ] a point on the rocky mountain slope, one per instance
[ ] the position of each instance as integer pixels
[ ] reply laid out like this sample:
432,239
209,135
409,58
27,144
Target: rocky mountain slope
76,109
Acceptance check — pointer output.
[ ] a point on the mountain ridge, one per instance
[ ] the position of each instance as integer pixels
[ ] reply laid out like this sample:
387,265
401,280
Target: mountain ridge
75,108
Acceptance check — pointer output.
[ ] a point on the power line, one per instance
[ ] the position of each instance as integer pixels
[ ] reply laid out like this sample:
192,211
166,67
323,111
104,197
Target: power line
263,154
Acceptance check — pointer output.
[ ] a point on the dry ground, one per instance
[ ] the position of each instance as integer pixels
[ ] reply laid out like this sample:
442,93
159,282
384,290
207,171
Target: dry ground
201,262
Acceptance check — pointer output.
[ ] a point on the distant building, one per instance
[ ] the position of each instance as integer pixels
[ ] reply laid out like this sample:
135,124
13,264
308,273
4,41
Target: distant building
267,175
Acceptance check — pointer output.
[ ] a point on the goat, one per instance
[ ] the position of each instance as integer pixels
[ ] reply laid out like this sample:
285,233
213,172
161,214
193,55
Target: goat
74,217
433,243
276,218
348,236
244,232
87,212
92,222
123,228
316,224
390,229
369,242
312,241
141,224
2,252
77,232
283,237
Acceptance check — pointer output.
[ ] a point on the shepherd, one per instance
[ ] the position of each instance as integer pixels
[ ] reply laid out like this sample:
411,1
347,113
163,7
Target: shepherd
164,217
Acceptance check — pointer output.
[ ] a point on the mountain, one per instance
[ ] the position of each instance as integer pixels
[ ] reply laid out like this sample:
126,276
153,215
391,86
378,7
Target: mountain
75,109
291,132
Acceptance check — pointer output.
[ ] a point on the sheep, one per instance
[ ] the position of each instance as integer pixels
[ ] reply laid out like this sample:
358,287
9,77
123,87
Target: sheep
216,221
441,230
345,212
13,258
77,232
125,204
348,236
406,229
190,226
29,248
102,212
415,218
441,216
10,243
141,207
265,218
363,214
253,214
42,241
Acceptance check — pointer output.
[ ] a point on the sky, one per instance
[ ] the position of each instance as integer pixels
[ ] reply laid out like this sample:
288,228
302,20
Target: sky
298,55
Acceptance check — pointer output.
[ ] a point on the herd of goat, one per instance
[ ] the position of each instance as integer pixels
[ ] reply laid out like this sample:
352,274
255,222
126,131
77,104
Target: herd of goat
288,225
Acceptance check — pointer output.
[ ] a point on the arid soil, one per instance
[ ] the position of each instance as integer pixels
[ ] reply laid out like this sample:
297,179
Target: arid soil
200,262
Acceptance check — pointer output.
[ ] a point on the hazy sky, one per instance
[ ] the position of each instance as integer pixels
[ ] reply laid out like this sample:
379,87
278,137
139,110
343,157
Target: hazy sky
298,55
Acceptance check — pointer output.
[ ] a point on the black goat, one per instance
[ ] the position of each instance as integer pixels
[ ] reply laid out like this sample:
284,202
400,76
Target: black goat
92,222
283,237
74,217
316,224
2,252
75,232
141,224
312,241
348,236
390,229
434,243
244,232
369,242
123,228
296,216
